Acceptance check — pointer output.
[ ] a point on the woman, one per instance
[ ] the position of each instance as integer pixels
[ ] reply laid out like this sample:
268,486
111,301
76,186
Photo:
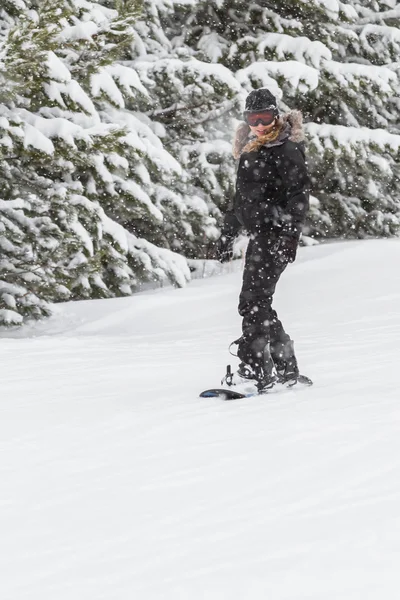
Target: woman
270,203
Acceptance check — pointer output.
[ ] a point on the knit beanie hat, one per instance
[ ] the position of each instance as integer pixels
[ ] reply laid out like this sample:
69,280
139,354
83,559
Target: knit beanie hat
259,100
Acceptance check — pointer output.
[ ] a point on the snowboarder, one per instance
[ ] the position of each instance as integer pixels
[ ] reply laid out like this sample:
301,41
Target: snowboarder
270,203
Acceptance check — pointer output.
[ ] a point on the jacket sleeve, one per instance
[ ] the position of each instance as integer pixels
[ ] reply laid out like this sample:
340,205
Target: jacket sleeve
231,225
292,169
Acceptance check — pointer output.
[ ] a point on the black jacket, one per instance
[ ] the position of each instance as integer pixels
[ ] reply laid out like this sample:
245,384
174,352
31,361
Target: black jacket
272,185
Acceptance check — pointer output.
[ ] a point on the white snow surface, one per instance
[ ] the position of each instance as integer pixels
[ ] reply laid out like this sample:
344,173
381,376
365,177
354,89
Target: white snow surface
119,482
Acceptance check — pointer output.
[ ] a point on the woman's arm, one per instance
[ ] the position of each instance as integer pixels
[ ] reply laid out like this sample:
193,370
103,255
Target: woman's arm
230,229
292,169
231,225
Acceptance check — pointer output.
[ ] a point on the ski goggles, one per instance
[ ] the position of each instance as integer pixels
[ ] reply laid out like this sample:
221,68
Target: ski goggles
264,117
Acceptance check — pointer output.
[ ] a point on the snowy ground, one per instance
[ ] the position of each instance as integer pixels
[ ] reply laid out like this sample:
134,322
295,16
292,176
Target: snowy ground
118,482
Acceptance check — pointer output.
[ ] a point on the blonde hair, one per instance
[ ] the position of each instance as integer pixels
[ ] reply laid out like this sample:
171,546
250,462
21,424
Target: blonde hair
243,144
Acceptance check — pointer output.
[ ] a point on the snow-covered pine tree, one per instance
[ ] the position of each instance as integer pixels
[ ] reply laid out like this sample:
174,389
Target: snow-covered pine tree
148,193
190,106
22,227
62,156
358,182
321,57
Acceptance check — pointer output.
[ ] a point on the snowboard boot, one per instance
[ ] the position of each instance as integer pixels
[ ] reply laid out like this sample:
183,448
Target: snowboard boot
256,368
286,365
244,374
256,358
267,376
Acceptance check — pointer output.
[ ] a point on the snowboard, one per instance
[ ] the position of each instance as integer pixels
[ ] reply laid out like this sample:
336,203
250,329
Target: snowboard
225,394
230,394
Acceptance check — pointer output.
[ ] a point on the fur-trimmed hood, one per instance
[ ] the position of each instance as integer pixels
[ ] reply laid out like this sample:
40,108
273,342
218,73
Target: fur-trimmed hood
290,128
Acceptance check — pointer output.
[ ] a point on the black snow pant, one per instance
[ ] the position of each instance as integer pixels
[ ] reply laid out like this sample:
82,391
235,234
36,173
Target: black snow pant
262,331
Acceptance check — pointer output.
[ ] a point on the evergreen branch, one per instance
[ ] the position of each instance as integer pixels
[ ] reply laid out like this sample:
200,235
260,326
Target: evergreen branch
379,16
213,114
218,112
9,274
171,109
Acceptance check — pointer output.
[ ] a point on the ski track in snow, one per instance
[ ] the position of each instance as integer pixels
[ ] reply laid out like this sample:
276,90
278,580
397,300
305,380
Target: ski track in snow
119,482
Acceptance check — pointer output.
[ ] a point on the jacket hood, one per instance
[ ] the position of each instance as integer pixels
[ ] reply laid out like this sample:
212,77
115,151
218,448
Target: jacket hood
290,128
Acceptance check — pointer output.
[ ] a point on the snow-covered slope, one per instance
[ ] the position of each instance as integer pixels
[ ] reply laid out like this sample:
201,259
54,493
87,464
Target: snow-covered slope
119,483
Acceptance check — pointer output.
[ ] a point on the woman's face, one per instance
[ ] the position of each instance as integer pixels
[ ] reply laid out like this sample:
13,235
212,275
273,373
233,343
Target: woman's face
260,129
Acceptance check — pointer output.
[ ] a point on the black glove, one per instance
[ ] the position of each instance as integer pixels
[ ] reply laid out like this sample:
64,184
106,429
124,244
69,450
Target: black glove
224,248
286,248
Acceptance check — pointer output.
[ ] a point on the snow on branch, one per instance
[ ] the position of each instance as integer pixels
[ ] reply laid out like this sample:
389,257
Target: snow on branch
350,137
